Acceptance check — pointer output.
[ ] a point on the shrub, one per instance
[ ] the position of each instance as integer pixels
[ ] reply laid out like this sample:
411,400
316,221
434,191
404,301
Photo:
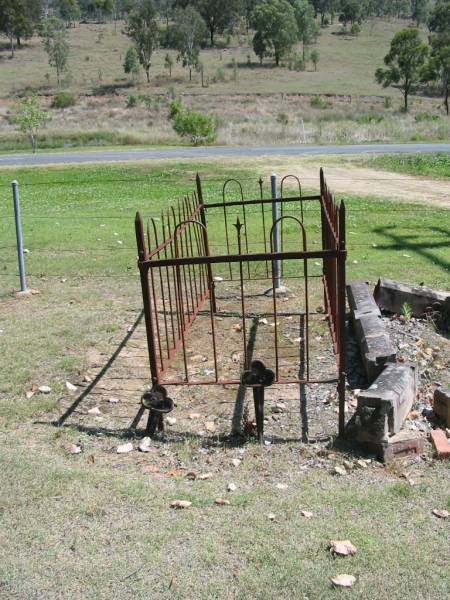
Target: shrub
319,102
63,100
283,118
387,102
296,63
369,119
131,101
355,29
425,116
195,126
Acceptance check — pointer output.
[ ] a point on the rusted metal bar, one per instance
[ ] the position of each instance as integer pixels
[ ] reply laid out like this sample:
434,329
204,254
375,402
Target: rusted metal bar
238,226
206,243
341,317
210,205
258,257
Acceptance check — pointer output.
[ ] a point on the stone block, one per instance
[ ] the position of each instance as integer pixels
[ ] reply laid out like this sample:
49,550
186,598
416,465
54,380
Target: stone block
392,295
391,397
374,344
401,445
360,299
441,443
441,404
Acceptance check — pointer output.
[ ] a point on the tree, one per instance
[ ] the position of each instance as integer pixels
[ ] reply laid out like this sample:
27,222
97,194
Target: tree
131,62
196,126
351,12
30,118
420,10
68,10
306,24
142,28
54,39
275,28
190,30
217,14
18,19
438,68
314,57
405,62
168,63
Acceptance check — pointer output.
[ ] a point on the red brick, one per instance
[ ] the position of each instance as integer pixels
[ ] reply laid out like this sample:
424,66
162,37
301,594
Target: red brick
441,443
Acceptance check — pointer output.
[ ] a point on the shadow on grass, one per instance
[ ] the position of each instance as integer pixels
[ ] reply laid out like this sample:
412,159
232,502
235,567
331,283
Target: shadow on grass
411,243
62,420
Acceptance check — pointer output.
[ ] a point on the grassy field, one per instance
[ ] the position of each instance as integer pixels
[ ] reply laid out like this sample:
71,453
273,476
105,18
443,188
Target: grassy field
347,65
95,525
253,104
437,165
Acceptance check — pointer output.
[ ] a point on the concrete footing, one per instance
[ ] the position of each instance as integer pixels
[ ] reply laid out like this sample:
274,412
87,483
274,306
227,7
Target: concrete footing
392,295
441,404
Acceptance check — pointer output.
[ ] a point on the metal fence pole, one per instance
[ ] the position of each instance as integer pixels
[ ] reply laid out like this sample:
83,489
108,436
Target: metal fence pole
273,187
16,198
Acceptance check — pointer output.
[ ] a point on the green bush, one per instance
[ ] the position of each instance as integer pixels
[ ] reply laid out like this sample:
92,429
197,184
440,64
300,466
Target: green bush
63,100
197,127
425,116
131,101
355,29
369,119
296,63
319,102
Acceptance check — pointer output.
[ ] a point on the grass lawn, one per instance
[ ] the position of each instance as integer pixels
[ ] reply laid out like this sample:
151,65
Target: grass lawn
431,165
94,525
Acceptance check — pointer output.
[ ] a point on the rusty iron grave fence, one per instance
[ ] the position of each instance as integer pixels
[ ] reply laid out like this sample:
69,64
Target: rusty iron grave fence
183,259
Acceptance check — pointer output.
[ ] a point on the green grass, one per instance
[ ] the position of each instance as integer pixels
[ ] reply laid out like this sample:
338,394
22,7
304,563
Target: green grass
73,529
426,165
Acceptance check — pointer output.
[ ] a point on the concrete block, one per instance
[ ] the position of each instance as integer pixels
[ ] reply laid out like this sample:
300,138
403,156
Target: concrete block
391,295
441,404
360,299
441,443
400,445
392,394
374,344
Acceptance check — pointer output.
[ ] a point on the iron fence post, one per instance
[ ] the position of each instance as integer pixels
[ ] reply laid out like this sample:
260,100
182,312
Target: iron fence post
273,187
16,199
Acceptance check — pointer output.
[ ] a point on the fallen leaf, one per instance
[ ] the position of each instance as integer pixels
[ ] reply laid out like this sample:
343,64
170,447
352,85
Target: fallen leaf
75,449
191,476
204,476
441,514
124,448
221,502
71,387
145,444
87,379
342,548
90,459
263,322
172,581
150,469
113,400
44,389
29,394
231,487
343,580
180,504
194,416
235,462
173,473
94,411
281,486
171,420
271,517
307,514
237,327
210,426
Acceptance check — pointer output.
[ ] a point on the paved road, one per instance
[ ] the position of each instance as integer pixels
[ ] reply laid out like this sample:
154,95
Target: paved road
212,152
